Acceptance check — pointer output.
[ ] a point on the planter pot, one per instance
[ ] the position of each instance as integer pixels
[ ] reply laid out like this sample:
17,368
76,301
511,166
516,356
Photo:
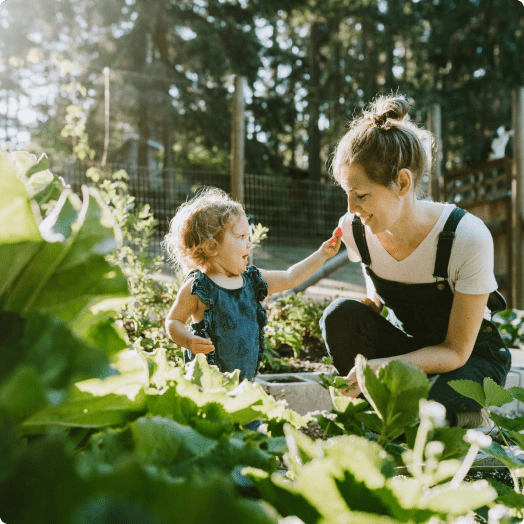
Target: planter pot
304,394
302,391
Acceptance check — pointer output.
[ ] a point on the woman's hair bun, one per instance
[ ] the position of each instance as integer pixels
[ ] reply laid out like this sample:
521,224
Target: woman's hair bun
387,108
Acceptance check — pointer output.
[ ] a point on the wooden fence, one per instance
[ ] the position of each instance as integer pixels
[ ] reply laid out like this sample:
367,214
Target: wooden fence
485,191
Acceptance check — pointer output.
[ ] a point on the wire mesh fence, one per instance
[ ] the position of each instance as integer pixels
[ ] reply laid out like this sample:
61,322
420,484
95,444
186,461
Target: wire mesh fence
298,212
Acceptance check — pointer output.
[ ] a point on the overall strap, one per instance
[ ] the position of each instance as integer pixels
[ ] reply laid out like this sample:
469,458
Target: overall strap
445,242
359,234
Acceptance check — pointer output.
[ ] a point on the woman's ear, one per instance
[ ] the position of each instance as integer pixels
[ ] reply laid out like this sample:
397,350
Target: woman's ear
404,181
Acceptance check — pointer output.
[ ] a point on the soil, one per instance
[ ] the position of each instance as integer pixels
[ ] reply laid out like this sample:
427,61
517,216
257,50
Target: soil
310,359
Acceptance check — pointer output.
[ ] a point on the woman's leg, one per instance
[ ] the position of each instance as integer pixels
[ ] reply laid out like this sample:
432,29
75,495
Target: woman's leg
477,368
350,327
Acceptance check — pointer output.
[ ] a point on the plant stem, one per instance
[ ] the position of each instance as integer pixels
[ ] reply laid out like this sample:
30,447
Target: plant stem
465,466
418,448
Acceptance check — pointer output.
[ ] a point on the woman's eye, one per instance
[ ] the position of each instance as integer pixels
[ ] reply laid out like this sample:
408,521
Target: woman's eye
360,197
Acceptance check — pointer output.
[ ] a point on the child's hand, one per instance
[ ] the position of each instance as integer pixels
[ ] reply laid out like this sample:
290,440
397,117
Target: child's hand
330,247
336,235
199,345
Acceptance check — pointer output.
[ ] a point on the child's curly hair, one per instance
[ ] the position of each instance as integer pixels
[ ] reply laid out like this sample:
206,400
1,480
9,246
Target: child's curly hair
198,228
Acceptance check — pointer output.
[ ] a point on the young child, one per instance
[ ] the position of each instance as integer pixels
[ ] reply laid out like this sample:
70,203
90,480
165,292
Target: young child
222,294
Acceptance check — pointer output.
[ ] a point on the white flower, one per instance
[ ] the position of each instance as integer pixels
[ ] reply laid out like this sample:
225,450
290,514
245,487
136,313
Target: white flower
434,448
496,513
432,410
477,438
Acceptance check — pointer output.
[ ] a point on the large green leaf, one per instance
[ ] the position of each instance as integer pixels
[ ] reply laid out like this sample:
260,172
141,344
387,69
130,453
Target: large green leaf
496,395
212,411
372,388
83,277
91,412
41,356
42,485
513,424
394,394
19,234
470,389
22,394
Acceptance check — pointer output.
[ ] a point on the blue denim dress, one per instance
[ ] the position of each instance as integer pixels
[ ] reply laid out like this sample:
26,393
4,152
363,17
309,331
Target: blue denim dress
234,320
418,316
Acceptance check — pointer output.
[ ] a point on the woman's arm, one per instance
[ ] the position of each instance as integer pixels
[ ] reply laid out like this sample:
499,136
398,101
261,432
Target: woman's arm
281,280
185,306
465,319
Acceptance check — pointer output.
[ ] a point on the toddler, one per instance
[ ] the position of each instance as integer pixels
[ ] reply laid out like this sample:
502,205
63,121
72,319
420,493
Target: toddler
222,294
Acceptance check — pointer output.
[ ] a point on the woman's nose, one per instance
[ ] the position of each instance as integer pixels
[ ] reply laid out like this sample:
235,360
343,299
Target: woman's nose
352,204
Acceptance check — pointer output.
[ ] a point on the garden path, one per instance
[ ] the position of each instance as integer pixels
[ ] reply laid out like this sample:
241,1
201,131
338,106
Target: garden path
347,281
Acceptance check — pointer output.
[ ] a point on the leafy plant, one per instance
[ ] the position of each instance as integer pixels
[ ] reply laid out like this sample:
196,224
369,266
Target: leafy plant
350,479
491,394
510,323
292,322
143,315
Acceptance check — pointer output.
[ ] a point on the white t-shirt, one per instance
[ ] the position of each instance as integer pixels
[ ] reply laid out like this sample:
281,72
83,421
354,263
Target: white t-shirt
470,269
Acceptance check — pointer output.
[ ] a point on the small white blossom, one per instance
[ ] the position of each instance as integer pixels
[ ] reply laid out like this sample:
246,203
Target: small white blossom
477,438
434,448
496,513
466,519
432,410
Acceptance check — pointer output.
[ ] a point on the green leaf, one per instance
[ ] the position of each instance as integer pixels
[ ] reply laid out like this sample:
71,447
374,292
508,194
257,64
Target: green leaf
513,424
372,388
508,496
42,164
158,440
517,437
458,500
497,451
517,392
92,412
22,394
454,444
496,395
470,389
46,345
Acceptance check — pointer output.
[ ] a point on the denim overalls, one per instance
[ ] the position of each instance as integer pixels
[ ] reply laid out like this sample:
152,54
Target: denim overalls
418,316
234,320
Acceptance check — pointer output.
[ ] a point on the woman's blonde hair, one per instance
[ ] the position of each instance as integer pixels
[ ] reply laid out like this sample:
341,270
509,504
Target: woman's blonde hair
382,141
198,228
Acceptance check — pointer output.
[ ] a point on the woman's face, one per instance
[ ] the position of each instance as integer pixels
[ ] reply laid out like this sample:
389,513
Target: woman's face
377,206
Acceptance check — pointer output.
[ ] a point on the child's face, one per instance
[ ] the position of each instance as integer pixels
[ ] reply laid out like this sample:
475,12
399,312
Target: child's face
232,256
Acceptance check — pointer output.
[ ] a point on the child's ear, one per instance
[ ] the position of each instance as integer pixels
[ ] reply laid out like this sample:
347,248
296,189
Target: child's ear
211,248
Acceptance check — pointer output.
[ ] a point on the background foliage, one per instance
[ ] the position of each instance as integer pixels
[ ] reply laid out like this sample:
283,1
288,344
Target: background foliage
310,65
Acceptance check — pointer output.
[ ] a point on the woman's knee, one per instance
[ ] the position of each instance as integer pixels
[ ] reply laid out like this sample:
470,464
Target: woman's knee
343,312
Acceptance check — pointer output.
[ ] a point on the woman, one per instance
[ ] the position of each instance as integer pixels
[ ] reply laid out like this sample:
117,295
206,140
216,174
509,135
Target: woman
430,263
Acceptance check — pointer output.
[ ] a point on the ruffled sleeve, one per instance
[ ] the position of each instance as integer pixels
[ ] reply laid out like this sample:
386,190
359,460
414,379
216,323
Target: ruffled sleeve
201,287
259,284
205,329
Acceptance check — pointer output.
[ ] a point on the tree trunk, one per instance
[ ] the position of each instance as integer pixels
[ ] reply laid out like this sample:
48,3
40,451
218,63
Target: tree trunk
314,103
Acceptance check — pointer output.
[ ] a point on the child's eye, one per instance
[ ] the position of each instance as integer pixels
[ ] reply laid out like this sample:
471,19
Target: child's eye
360,197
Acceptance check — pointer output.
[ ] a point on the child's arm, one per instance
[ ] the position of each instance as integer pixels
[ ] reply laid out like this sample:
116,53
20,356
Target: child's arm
281,280
184,307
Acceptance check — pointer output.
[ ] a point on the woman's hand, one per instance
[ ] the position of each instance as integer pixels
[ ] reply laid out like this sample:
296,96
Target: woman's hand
352,381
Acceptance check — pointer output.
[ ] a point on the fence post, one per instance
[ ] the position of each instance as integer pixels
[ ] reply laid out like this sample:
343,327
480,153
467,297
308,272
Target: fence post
237,141
436,186
517,191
